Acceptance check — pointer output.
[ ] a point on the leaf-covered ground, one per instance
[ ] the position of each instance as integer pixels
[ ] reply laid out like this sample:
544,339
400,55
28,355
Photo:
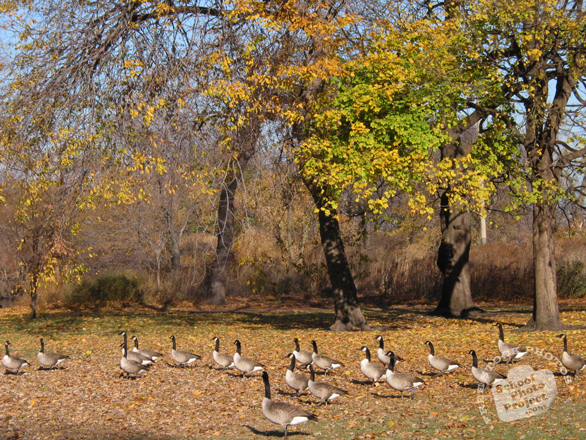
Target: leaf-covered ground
88,400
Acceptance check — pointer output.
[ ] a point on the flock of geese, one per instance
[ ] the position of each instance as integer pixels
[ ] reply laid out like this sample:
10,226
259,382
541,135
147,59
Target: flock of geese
138,360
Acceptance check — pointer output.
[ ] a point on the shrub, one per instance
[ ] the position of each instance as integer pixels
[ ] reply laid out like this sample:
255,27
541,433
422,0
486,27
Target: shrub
571,279
111,287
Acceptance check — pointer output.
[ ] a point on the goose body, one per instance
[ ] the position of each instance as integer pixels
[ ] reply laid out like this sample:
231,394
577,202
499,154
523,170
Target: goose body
151,354
282,413
323,391
401,381
381,353
131,355
222,359
13,362
136,357
370,369
324,362
484,375
510,352
182,357
444,365
129,366
302,356
297,381
571,361
49,359
244,364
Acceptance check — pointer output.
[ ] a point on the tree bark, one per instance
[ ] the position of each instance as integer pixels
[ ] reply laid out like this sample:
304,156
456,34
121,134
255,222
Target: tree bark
217,277
545,314
34,296
453,261
175,251
348,313
456,226
218,274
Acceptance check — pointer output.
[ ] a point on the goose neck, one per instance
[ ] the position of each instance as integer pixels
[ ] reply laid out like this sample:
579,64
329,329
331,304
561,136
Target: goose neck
218,345
292,365
314,345
267,386
474,360
391,366
431,349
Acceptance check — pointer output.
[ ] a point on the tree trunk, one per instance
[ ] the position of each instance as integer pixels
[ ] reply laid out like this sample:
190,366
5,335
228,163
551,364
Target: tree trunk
456,226
546,314
218,275
453,262
348,313
175,251
34,298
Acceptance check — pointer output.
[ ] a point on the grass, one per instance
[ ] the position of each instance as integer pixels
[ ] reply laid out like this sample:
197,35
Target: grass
89,400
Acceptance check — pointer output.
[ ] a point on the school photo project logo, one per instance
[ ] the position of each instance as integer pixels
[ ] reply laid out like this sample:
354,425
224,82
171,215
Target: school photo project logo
525,393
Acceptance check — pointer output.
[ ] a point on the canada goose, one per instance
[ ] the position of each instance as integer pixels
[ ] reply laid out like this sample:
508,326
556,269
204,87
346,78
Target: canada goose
48,359
151,354
282,413
381,353
324,362
129,366
136,357
133,355
322,390
439,362
13,362
370,369
484,375
571,361
295,380
245,364
182,357
222,359
303,356
509,351
401,381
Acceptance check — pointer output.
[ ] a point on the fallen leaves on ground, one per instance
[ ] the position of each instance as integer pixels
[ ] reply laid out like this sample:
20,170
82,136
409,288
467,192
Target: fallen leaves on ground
87,399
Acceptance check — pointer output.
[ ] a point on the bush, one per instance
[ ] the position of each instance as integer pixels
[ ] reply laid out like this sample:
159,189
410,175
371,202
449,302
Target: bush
112,287
571,279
